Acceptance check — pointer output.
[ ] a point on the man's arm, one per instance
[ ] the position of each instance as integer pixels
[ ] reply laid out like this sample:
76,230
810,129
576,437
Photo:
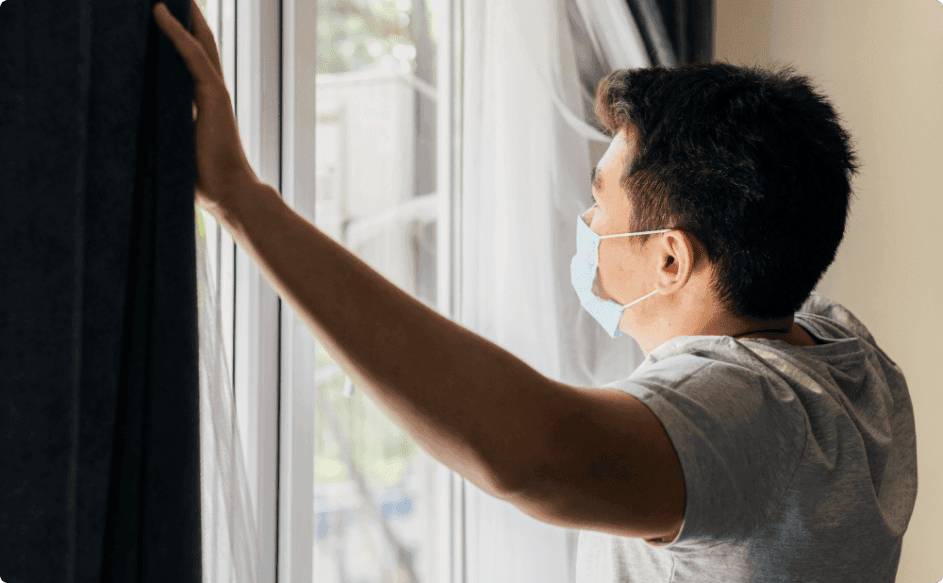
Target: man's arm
469,403
587,458
608,466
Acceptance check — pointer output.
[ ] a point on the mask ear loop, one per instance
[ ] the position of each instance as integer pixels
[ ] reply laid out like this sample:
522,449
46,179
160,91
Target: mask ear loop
639,233
640,299
630,235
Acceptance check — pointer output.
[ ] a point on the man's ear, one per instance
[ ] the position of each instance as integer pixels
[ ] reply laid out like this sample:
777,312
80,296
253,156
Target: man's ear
677,256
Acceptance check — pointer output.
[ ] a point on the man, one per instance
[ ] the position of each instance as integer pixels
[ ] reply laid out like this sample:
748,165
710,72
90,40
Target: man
765,437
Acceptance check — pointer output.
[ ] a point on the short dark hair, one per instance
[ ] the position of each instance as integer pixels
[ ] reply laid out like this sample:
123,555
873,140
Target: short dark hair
752,162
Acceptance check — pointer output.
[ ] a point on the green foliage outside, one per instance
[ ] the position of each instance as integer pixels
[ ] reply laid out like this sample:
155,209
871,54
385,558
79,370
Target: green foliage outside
353,35
356,34
200,224
380,450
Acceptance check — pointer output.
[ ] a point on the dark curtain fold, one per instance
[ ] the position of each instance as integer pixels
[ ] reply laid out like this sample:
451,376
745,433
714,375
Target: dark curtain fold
99,386
676,32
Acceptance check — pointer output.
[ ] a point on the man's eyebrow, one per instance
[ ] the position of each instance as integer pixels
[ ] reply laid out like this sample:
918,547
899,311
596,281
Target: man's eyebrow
596,178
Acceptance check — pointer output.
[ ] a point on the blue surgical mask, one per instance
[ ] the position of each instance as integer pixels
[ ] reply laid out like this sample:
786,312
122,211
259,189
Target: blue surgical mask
583,270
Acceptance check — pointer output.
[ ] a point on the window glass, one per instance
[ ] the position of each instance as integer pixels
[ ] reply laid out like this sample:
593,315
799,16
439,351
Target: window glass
375,194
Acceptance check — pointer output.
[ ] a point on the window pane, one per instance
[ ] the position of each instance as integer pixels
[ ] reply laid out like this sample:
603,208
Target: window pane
375,193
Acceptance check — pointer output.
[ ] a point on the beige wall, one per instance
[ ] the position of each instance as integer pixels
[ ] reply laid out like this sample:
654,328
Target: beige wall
881,63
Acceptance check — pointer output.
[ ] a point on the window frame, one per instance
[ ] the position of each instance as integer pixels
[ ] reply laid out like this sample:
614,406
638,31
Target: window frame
295,106
295,530
449,141
255,86
267,347
248,304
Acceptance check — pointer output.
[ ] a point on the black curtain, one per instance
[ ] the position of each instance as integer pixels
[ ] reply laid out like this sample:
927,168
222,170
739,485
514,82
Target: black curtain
99,386
685,28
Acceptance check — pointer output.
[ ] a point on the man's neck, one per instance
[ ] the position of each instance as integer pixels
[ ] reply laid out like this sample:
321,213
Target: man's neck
784,329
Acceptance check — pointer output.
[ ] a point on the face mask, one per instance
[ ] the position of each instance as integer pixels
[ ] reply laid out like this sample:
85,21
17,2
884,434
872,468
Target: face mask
583,269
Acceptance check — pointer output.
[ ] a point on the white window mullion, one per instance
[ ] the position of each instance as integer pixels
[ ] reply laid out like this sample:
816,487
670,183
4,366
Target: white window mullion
449,484
297,411
256,359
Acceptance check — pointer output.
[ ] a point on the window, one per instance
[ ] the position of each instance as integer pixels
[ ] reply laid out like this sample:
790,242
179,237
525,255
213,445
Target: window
378,496
248,306
361,149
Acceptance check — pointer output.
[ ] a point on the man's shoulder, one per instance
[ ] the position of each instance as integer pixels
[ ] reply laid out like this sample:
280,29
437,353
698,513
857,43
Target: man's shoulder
832,318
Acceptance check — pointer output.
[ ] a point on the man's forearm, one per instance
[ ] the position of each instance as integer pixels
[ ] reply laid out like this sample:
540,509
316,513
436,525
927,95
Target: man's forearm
469,403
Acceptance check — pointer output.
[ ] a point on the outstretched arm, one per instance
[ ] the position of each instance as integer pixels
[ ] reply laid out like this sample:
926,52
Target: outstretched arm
576,457
468,402
571,456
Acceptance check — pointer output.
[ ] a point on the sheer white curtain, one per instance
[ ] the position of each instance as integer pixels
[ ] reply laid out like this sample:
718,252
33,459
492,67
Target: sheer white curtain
530,71
230,549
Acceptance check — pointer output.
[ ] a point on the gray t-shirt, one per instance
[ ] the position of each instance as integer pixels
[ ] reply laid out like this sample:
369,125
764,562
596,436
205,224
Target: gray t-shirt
800,463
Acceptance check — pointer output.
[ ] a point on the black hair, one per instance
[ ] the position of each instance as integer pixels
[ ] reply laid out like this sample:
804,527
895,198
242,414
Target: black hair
752,162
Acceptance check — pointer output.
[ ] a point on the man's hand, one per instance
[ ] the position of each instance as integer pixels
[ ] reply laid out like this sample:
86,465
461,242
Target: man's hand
223,171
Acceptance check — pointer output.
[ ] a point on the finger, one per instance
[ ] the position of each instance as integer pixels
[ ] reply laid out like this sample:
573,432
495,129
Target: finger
204,34
203,71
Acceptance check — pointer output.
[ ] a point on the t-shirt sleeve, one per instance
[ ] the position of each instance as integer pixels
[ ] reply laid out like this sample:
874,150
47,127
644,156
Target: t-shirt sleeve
739,436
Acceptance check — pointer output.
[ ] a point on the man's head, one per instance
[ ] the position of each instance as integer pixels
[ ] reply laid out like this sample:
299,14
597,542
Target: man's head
750,166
